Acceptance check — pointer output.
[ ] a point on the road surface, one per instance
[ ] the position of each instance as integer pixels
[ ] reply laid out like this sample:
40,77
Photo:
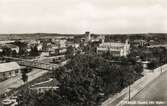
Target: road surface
16,81
155,94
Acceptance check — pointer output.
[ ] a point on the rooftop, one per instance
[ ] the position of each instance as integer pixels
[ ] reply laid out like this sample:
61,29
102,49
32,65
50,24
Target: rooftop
112,44
8,46
4,67
11,46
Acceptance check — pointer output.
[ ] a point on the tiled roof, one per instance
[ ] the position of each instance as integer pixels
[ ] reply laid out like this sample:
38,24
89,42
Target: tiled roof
4,67
11,46
8,45
49,83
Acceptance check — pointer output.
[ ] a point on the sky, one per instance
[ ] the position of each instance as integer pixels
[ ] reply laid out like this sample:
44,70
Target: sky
78,16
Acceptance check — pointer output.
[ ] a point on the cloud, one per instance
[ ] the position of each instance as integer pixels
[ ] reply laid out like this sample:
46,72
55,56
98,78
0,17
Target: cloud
76,16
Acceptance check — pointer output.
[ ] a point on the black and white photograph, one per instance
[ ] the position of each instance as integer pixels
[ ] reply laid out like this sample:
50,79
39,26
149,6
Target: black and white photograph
83,52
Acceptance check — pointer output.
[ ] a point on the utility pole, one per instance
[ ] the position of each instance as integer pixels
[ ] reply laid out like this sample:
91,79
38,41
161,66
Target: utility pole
129,92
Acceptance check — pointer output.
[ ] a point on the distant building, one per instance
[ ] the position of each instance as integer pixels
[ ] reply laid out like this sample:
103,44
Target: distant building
44,54
44,89
62,43
58,51
85,39
12,47
97,38
59,47
139,43
9,46
116,49
88,36
44,86
158,45
8,70
6,41
39,47
145,64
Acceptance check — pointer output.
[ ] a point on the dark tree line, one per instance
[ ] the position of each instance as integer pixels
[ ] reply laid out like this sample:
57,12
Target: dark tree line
156,56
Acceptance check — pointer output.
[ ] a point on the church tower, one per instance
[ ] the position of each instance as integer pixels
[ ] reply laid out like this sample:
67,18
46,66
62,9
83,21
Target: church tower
87,36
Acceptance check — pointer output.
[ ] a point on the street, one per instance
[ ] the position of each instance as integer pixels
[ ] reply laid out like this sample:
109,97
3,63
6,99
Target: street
155,94
16,81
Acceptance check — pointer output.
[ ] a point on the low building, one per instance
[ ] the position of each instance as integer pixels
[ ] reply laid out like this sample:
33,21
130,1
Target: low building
139,43
62,50
43,89
72,44
8,70
44,54
58,51
116,49
43,86
62,43
39,47
145,64
12,47
6,41
9,46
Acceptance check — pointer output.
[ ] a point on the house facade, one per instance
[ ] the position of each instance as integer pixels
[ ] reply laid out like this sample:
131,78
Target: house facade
9,46
12,47
8,70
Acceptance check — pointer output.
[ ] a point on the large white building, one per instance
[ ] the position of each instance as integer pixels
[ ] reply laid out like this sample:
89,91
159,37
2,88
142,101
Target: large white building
8,70
116,49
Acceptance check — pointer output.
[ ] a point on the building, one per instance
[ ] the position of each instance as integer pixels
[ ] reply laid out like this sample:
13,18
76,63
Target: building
39,47
145,64
58,47
42,87
62,43
97,38
139,43
8,70
116,49
6,41
44,54
88,36
12,47
9,46
72,44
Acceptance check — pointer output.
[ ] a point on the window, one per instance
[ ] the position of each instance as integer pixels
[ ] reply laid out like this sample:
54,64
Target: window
16,71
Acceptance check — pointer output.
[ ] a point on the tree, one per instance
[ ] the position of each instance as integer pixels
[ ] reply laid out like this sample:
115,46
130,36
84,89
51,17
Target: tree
6,51
70,52
22,48
24,75
34,51
14,53
87,79
107,55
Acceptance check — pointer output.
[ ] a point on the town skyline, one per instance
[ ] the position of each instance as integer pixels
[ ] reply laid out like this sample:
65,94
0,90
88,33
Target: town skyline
81,33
